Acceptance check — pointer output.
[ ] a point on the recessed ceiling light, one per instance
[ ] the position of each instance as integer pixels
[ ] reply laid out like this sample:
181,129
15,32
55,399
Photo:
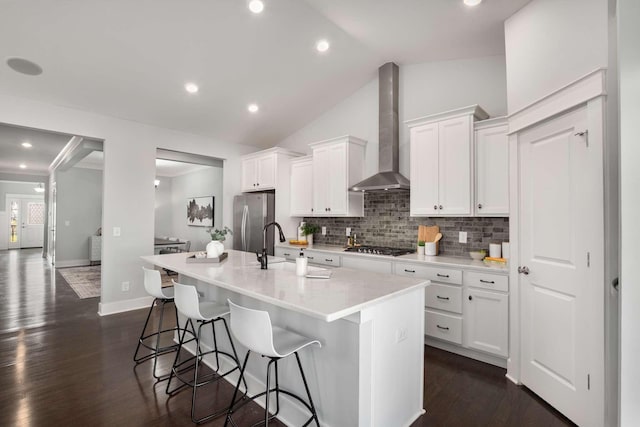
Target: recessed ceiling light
322,46
22,166
26,144
24,66
253,108
472,2
191,87
256,6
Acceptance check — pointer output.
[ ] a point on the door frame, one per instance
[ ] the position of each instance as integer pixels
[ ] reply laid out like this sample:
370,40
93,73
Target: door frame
589,90
11,196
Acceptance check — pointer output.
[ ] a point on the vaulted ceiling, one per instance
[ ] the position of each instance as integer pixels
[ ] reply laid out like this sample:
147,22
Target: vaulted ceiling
131,59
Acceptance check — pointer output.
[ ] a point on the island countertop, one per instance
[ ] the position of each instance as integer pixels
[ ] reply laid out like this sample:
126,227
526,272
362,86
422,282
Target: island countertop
347,292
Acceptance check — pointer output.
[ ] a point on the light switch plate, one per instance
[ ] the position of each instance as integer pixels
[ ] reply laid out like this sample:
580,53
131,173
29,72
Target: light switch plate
462,237
116,231
324,231
348,231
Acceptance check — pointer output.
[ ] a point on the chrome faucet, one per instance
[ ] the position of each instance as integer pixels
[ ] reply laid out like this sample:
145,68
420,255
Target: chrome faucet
262,259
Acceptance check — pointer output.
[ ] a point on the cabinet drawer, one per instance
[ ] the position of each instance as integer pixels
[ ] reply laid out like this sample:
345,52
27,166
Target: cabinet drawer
487,281
286,253
374,265
443,297
444,326
436,274
322,258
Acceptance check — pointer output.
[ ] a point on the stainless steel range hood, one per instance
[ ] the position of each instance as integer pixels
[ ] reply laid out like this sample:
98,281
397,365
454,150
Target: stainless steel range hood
388,177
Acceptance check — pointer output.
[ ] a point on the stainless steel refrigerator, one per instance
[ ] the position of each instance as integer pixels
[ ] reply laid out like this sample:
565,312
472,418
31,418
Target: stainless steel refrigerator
251,212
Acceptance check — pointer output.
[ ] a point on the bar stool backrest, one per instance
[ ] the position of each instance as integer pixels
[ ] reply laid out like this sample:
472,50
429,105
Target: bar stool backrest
252,328
187,301
153,283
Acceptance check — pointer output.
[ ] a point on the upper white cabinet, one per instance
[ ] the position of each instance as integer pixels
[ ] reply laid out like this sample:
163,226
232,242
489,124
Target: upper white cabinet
441,162
337,165
260,170
302,186
492,167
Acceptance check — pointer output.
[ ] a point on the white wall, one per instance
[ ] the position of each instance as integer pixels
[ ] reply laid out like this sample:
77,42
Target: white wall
629,68
129,171
171,205
78,214
424,89
550,43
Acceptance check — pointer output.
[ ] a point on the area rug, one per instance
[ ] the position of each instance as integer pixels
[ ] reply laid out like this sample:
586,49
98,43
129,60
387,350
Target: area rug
85,281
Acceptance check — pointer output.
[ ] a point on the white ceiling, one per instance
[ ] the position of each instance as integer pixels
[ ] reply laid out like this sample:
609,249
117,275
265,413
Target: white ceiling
46,146
131,59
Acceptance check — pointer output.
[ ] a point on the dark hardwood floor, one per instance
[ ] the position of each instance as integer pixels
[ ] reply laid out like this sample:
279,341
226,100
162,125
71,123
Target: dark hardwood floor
63,365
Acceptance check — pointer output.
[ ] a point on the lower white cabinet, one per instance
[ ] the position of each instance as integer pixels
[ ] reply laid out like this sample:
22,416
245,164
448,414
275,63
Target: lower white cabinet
95,249
382,266
322,258
486,321
287,253
443,326
443,297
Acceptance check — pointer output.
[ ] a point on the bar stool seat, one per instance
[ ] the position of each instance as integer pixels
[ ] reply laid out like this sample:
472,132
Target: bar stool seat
202,313
253,329
161,297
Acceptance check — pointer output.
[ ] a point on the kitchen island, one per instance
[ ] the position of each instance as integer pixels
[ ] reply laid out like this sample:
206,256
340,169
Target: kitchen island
369,371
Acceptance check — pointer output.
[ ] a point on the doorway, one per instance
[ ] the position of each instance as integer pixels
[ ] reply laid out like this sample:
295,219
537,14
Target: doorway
26,221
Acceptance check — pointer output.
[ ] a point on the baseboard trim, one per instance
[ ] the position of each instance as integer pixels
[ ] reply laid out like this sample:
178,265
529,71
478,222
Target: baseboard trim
72,263
106,309
472,354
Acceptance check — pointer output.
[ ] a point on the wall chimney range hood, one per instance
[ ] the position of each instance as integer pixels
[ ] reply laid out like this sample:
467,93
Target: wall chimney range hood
388,177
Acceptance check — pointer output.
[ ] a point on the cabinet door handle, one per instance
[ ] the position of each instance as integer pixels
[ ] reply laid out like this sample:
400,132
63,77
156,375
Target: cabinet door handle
311,209
328,260
470,297
257,184
442,298
329,209
310,257
286,254
479,205
440,207
409,271
435,207
446,276
444,328
487,281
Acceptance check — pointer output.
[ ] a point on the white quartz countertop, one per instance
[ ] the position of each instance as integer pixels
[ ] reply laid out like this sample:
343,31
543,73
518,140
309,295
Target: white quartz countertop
440,261
347,292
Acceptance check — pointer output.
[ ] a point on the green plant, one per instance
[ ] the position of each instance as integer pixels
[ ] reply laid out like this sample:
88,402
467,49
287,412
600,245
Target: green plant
220,235
420,242
309,229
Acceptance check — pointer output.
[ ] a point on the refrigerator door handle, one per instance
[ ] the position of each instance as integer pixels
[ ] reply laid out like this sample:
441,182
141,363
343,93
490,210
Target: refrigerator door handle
245,214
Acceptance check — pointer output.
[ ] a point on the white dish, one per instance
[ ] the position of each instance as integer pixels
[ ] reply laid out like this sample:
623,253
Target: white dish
477,255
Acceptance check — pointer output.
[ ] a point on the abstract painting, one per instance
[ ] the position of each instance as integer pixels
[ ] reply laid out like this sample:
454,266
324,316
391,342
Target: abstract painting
200,211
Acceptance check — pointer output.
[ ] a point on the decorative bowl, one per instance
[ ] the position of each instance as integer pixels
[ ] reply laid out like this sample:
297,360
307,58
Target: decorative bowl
477,255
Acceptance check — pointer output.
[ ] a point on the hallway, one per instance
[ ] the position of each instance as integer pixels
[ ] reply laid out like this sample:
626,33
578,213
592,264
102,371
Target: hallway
62,364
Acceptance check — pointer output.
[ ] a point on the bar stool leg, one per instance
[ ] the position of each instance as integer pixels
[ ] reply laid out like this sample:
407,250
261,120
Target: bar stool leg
144,328
195,374
235,354
306,387
235,392
155,359
175,361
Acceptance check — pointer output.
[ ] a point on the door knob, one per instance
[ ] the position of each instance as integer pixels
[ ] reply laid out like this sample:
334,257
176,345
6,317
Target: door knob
523,270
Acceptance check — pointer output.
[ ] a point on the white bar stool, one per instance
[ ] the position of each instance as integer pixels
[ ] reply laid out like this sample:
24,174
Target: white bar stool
203,313
162,296
253,329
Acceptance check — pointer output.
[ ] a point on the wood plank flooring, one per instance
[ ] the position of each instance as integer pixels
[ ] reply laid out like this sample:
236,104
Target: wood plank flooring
63,365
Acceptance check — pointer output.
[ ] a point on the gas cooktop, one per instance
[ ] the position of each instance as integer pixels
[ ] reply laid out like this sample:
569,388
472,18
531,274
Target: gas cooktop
379,250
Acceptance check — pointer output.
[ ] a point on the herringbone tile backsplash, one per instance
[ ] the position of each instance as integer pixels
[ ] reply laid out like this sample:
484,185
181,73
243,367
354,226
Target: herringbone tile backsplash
387,223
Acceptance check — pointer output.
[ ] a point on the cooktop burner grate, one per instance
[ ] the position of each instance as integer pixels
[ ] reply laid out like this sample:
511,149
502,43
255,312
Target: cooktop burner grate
379,250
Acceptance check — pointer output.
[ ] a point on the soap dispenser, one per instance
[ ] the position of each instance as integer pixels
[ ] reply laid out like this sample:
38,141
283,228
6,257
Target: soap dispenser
301,265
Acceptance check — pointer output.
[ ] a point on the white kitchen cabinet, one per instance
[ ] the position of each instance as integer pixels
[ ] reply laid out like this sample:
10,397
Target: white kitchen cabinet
492,168
360,263
264,170
302,186
486,321
337,165
322,258
441,166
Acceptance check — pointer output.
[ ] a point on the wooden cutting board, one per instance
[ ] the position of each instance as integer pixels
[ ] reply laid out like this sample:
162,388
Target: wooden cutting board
428,233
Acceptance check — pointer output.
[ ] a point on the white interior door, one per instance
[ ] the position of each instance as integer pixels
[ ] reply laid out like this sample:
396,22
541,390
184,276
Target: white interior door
560,246
32,223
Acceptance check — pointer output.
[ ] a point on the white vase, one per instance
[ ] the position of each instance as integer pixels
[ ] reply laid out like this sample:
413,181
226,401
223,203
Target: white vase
309,239
215,248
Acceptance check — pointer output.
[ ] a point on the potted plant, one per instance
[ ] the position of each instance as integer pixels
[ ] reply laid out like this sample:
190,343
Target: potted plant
420,247
215,248
308,230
